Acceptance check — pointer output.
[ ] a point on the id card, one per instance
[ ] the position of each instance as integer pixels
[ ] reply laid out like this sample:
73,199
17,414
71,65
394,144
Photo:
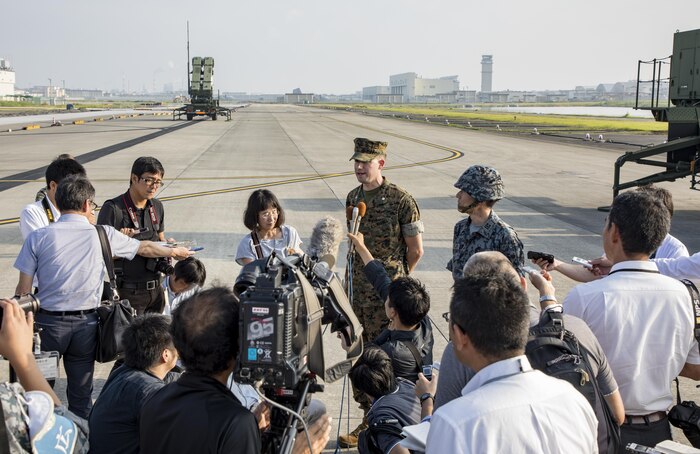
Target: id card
48,364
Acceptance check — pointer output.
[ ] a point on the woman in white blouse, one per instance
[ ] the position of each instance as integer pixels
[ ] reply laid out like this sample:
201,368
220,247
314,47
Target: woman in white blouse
264,217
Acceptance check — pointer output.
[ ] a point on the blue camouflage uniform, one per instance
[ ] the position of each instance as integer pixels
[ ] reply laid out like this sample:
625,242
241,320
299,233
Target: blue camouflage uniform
483,184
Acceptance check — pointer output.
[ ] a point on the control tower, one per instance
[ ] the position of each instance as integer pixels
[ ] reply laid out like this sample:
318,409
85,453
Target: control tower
486,73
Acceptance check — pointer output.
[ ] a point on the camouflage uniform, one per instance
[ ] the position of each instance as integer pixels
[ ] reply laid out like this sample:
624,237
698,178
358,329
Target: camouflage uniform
391,215
483,184
15,409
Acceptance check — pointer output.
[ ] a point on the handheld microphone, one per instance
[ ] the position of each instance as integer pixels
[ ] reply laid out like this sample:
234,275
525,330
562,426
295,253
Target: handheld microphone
361,211
326,237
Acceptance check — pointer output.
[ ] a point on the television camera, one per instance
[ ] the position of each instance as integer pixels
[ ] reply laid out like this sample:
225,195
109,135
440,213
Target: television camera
284,303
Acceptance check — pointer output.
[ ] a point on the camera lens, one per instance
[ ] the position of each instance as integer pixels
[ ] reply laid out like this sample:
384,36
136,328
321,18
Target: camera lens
27,302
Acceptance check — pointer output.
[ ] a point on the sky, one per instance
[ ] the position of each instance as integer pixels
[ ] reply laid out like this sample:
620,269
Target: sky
333,46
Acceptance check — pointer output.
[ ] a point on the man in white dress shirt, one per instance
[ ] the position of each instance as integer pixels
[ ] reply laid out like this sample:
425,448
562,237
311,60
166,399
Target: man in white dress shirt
43,212
643,320
507,406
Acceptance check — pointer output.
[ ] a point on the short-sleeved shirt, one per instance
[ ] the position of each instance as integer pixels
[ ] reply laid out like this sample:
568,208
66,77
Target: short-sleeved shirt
290,239
401,405
644,322
197,414
494,235
34,217
66,258
392,215
115,213
114,419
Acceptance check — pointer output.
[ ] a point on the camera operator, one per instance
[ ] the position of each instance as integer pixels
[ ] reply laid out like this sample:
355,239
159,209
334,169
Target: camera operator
198,413
27,405
138,214
66,258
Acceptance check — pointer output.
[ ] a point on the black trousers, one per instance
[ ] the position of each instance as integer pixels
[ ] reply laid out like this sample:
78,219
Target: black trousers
144,300
647,434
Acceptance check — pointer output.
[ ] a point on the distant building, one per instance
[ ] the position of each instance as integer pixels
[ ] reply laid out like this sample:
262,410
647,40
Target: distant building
486,73
81,93
298,98
416,89
7,79
370,93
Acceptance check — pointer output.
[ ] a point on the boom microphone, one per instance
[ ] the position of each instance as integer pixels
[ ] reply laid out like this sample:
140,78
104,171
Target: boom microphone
325,240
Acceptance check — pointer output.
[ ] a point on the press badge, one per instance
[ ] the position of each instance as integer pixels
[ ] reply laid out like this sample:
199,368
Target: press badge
46,361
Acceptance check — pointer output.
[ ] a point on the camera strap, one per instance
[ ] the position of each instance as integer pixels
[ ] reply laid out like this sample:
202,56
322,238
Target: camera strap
47,209
107,257
131,209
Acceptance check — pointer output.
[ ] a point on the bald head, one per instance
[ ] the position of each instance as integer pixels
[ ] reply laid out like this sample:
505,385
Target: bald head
491,262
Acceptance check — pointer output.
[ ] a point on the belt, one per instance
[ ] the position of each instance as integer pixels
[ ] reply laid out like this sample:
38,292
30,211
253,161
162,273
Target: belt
148,285
64,313
645,419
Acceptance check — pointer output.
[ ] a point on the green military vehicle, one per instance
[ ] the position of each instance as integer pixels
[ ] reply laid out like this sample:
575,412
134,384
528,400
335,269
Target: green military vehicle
681,111
201,91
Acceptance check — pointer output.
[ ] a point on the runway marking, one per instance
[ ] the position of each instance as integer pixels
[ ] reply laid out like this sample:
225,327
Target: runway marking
454,154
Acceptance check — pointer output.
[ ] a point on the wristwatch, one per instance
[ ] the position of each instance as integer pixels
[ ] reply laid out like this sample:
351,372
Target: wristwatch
426,396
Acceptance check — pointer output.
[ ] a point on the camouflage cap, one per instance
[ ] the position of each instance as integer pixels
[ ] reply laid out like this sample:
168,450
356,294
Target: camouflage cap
366,150
482,183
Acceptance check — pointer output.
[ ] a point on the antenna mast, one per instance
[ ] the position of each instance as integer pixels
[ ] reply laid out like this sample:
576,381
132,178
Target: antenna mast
189,86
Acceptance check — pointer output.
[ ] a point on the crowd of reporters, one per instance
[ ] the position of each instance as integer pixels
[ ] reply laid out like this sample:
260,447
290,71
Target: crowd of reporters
636,326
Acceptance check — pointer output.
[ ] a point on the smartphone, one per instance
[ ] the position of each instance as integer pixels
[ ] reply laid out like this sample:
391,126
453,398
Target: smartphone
142,229
197,248
428,372
529,269
533,255
585,263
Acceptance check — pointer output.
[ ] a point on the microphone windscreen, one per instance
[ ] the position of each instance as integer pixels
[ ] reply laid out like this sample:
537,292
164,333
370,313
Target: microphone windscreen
325,238
348,213
362,208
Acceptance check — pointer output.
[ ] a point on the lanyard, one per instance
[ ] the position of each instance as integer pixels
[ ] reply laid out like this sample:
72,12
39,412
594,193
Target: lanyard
47,208
131,208
635,270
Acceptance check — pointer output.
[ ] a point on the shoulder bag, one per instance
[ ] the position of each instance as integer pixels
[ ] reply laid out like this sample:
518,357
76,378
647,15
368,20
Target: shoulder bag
114,314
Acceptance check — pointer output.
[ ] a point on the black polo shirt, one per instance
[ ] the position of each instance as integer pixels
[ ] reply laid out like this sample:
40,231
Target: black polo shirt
197,414
114,419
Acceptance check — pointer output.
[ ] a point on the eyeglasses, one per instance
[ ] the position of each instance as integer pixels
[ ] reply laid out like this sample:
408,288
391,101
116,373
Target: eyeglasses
93,206
269,213
151,181
446,316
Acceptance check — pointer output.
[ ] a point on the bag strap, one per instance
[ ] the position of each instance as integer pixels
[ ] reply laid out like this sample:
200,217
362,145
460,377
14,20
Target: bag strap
256,244
416,354
695,302
107,257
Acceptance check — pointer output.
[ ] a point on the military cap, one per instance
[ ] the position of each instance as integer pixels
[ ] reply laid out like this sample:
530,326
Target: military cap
366,150
482,183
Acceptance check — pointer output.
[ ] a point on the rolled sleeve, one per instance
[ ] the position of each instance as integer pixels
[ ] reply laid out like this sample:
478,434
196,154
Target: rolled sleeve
412,229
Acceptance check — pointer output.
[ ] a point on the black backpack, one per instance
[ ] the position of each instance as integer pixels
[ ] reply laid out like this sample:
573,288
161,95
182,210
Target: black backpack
556,351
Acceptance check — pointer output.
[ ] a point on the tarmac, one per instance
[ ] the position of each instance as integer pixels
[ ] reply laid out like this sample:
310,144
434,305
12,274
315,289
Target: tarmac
302,154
